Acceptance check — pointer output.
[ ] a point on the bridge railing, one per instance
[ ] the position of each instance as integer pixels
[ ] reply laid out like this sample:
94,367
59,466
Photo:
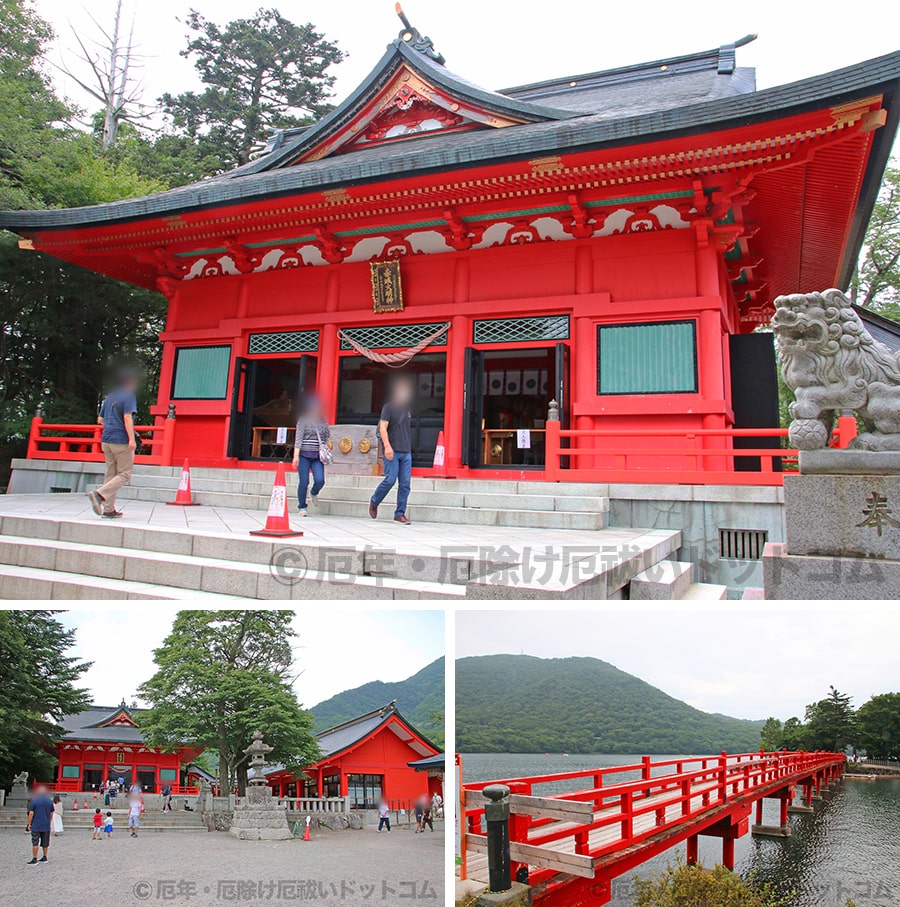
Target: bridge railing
668,455
81,442
622,797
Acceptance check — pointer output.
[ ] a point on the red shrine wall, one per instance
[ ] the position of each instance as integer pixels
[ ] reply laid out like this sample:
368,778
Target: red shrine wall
656,276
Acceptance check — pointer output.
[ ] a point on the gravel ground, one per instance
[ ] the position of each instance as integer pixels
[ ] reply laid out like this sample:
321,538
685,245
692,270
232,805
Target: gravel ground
212,870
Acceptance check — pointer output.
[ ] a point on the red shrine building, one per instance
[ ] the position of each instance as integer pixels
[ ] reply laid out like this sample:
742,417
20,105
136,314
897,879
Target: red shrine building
106,742
609,240
364,760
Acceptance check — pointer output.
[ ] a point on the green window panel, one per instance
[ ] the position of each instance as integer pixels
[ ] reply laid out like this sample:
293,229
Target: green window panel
168,774
71,771
284,342
201,373
519,330
659,358
394,336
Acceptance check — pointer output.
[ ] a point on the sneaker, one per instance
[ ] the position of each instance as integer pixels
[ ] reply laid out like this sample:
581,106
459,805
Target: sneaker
402,518
96,502
43,860
304,511
315,500
32,862
112,515
373,510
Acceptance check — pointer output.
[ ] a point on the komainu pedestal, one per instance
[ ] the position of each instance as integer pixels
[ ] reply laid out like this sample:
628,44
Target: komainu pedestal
257,816
842,522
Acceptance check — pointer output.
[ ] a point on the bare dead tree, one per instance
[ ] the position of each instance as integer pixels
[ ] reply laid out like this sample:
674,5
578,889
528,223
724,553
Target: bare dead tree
111,62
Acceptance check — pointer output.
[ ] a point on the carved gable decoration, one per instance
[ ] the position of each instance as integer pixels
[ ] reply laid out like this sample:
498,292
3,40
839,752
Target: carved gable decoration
121,718
407,105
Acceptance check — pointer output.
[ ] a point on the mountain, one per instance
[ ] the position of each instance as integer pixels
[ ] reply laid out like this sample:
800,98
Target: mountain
522,704
418,698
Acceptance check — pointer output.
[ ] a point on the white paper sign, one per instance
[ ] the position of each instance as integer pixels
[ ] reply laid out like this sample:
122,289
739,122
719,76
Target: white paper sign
281,435
523,438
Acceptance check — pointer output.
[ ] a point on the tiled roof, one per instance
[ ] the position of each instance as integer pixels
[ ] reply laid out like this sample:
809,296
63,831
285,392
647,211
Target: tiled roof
86,725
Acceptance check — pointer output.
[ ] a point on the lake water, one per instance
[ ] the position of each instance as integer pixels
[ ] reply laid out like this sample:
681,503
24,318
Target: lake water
848,848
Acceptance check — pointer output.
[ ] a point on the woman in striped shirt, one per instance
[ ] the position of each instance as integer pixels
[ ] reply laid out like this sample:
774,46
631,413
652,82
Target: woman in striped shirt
312,432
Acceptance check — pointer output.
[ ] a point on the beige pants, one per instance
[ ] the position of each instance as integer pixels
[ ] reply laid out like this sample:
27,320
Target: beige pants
119,466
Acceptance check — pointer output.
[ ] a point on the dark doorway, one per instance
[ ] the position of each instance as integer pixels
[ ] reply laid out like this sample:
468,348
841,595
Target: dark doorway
363,391
506,398
147,780
266,399
754,394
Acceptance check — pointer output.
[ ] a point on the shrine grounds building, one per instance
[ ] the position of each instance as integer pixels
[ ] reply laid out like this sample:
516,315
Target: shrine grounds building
609,242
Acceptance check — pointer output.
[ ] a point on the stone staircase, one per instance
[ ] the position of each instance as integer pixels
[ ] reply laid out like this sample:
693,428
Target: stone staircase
82,820
673,581
47,557
459,502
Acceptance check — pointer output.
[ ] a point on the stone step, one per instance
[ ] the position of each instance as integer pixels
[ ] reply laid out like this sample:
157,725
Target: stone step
206,574
576,573
664,581
705,592
33,583
539,511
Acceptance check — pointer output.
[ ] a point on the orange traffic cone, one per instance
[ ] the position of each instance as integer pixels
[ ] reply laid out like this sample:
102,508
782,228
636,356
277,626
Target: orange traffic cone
306,830
440,460
75,805
85,804
278,523
183,498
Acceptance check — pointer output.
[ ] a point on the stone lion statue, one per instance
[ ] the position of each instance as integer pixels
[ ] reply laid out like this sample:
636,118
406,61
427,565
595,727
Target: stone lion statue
835,367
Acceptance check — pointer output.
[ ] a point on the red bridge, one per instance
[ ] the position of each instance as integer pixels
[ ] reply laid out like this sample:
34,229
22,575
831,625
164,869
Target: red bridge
568,847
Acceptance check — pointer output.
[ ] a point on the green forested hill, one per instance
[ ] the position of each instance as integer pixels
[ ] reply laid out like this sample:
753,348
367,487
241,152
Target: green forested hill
419,699
522,704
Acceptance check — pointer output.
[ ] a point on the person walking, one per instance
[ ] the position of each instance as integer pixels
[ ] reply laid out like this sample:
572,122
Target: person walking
118,443
40,811
134,816
384,817
394,428
427,818
437,801
167,798
420,812
113,791
311,453
56,823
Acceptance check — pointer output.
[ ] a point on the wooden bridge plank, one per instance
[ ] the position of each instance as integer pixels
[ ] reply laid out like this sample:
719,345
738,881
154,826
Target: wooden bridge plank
542,857
577,811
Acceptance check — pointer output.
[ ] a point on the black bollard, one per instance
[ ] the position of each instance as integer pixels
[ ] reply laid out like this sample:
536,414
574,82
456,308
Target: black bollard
496,814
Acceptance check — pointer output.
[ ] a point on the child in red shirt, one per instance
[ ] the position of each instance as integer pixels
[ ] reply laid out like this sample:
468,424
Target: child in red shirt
98,825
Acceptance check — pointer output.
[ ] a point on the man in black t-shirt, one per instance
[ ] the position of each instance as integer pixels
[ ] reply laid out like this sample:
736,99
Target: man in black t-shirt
394,429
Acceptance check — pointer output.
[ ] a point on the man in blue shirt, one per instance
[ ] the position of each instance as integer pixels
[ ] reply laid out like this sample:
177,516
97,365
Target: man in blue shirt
40,813
118,443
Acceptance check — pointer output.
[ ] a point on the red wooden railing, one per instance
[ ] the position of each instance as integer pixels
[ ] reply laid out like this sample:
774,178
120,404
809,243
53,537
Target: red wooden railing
674,794
56,441
663,455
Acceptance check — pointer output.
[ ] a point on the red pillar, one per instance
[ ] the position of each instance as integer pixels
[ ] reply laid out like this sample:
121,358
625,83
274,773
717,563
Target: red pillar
693,850
759,811
783,816
327,371
457,341
728,853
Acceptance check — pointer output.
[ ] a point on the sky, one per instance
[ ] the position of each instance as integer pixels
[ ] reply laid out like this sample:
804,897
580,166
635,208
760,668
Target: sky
504,43
749,664
336,650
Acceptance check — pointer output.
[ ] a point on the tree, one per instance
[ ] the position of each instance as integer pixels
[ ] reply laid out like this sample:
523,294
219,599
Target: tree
831,723
876,283
793,735
37,690
260,72
221,676
112,83
682,885
879,726
771,737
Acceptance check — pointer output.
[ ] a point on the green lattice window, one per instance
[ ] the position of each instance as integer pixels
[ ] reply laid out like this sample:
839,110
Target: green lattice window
168,774
394,336
201,373
71,771
520,330
659,358
284,342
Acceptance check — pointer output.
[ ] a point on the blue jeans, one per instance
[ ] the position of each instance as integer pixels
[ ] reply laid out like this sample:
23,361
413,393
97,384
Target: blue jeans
303,468
397,470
